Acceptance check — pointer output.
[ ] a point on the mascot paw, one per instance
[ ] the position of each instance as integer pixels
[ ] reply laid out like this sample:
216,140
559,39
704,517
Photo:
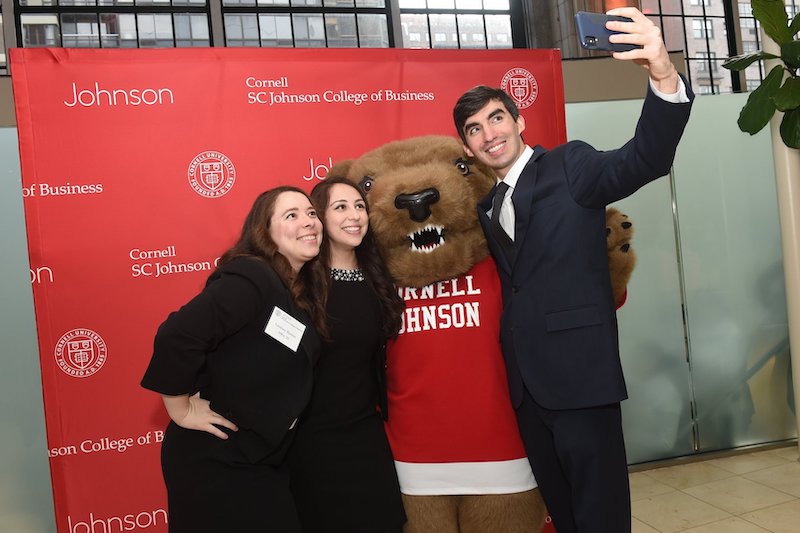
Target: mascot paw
621,258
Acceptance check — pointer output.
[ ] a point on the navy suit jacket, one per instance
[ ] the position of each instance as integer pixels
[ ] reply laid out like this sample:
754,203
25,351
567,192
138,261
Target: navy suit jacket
559,326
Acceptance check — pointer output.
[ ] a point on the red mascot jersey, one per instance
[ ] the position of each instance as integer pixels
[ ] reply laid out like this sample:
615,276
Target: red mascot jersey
451,425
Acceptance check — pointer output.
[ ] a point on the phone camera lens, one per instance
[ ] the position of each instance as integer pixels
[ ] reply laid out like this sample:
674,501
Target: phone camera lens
590,39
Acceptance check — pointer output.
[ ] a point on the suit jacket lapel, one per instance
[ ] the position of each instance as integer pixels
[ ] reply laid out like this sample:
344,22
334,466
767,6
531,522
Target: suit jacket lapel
500,257
522,198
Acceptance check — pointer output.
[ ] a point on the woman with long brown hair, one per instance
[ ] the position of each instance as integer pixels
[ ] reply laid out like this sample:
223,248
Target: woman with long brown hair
234,367
342,473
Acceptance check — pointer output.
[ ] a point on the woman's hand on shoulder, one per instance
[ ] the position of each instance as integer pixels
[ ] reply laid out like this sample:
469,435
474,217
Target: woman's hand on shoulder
193,412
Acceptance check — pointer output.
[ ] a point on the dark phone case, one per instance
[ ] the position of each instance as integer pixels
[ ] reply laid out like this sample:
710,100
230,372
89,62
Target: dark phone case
593,34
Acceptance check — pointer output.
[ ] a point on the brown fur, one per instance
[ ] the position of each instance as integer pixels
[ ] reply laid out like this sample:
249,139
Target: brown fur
621,258
523,512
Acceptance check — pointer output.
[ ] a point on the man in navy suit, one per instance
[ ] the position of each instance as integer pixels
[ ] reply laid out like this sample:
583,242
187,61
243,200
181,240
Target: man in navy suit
545,225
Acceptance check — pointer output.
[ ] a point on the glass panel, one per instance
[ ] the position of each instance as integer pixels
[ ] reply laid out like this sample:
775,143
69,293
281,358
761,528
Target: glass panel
40,30
656,417
114,2
338,3
155,30
309,31
668,8
191,30
273,2
189,3
370,3
307,3
152,2
441,4
276,30
496,5
239,2
341,30
37,2
241,30
443,31
118,30
372,31
735,293
471,31
76,3
672,29
412,4
469,4
79,30
415,31
498,31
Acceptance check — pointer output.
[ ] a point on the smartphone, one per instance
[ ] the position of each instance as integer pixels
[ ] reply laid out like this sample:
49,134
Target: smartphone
593,34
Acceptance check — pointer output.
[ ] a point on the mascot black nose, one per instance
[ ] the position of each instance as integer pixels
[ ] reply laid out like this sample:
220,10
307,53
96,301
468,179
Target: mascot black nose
417,203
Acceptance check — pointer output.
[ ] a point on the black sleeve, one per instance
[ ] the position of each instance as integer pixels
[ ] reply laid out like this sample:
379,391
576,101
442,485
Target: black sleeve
235,296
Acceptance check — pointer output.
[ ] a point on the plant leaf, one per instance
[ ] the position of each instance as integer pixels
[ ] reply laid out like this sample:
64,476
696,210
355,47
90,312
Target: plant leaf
760,106
790,54
788,96
794,27
743,61
773,18
790,128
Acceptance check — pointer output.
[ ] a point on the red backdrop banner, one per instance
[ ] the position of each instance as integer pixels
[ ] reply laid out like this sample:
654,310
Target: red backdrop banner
138,167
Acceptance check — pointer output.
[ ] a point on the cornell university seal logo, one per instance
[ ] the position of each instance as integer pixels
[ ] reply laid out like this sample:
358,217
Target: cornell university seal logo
80,353
520,85
211,174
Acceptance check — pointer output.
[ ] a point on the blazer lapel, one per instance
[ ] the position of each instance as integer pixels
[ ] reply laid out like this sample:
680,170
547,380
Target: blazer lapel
499,256
522,198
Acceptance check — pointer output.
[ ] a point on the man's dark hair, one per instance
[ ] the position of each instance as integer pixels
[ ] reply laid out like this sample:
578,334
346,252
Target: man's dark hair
473,101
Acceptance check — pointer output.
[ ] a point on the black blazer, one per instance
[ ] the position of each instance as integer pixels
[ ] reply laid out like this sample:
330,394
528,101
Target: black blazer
216,344
559,326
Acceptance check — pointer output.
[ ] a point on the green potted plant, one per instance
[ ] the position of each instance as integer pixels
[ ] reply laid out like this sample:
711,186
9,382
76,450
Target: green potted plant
780,89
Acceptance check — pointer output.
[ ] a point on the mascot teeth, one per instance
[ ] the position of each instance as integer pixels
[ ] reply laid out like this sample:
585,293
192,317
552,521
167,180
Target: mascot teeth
427,239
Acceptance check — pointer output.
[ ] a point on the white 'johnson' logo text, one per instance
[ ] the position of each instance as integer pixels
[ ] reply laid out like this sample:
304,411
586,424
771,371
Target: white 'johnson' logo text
99,97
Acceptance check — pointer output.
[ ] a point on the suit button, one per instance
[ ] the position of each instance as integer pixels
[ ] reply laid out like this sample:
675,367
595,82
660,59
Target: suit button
514,289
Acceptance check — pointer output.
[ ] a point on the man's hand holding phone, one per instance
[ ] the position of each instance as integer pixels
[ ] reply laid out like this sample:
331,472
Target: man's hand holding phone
649,50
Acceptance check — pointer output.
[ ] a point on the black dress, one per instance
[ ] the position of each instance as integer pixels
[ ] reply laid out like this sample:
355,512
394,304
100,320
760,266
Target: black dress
342,472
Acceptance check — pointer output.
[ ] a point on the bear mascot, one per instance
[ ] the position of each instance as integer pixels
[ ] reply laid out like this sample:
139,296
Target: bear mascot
453,432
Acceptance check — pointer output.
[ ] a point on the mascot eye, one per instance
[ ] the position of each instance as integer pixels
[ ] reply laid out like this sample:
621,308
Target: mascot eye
463,167
365,184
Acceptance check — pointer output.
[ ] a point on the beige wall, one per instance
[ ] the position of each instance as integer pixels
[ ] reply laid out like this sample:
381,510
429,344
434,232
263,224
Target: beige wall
7,117
621,80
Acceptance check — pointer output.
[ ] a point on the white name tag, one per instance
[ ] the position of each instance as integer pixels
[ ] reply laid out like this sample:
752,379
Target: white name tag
285,328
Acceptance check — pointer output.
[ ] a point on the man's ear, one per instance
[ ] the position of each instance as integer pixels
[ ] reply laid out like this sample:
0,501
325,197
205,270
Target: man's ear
521,123
468,151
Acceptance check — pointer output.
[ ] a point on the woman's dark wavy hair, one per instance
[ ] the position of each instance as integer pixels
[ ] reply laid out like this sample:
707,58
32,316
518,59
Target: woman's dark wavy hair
256,241
369,259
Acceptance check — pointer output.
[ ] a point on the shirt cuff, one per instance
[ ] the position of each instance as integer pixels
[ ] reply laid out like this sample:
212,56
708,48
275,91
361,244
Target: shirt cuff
679,97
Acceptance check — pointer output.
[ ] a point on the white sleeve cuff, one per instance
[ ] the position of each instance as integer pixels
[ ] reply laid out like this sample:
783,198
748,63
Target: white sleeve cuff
679,97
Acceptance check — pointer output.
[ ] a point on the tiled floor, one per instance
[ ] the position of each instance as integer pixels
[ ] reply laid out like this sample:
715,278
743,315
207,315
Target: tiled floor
750,493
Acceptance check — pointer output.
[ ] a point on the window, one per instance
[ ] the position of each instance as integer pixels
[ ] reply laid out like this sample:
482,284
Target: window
114,23
707,61
700,2
703,28
476,24
307,23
